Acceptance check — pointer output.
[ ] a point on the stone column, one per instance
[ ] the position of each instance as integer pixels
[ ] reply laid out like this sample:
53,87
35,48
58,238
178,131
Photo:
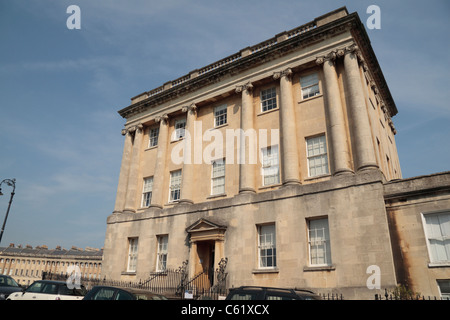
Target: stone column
193,258
246,169
130,202
187,180
290,172
359,118
337,135
124,172
160,166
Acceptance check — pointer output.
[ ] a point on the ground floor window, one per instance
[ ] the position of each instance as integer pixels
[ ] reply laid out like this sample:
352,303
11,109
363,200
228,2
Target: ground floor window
319,242
444,288
132,254
267,246
437,230
162,253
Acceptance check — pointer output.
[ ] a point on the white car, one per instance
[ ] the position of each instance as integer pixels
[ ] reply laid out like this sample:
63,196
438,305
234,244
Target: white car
49,290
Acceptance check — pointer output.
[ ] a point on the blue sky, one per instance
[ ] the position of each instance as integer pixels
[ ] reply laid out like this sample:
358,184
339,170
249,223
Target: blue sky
60,91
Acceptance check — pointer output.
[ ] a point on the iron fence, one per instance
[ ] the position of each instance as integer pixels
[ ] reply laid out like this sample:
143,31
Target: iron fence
400,293
173,283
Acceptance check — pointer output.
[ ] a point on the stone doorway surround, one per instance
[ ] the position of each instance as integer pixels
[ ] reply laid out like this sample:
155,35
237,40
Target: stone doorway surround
207,243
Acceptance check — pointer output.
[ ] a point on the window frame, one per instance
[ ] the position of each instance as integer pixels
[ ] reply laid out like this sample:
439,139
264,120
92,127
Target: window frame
327,243
220,114
179,129
317,156
153,136
147,192
272,101
268,167
175,189
309,86
444,288
162,252
219,177
445,237
133,247
263,262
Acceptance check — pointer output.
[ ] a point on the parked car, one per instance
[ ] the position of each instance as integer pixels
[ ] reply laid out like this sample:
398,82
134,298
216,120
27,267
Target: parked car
118,293
7,286
267,293
49,290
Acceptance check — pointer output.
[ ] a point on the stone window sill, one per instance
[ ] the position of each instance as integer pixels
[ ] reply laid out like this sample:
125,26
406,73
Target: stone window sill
319,268
439,265
268,270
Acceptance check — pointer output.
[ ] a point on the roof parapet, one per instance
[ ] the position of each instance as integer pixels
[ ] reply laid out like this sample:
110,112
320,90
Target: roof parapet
232,58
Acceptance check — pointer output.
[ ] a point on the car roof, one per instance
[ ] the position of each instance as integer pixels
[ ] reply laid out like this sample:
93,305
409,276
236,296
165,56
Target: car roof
54,282
51,281
129,289
271,289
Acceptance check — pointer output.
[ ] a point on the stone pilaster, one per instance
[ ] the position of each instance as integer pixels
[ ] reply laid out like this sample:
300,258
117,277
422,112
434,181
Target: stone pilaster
290,173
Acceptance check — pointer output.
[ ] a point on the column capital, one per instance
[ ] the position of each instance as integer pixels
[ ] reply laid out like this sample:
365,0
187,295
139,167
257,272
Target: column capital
163,118
139,128
285,73
245,87
374,87
133,129
331,56
354,49
192,107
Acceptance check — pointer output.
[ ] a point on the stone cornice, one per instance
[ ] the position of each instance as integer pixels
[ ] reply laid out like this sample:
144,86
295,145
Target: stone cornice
271,49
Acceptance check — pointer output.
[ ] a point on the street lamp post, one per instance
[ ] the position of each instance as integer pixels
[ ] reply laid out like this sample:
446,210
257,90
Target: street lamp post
11,183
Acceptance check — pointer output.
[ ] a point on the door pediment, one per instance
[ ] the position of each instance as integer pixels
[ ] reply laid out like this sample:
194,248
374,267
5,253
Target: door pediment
203,230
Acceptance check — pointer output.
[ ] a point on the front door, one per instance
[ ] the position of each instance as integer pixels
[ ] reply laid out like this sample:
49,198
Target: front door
205,253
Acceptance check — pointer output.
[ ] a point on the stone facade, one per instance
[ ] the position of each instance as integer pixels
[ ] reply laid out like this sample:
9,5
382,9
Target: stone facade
303,206
409,203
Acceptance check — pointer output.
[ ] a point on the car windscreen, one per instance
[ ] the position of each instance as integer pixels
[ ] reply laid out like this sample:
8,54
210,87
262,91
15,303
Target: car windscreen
49,288
35,287
79,292
103,294
7,282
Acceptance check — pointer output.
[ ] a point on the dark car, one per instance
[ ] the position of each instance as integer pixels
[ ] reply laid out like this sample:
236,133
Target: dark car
7,286
267,293
117,293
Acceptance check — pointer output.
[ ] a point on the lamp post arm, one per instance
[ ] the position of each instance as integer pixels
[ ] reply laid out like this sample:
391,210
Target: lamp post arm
13,184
